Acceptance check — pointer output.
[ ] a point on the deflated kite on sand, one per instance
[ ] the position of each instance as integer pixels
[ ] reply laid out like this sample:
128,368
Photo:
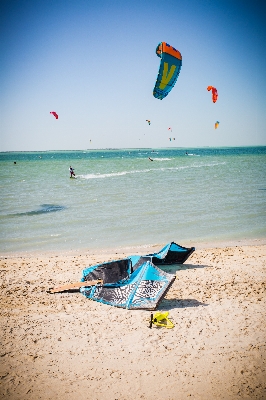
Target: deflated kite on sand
134,282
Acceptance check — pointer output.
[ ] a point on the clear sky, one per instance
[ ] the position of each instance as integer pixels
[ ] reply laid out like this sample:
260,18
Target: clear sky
94,63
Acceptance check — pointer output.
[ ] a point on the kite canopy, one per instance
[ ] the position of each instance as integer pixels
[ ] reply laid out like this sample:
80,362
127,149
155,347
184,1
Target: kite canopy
54,114
135,282
141,288
214,93
216,124
170,66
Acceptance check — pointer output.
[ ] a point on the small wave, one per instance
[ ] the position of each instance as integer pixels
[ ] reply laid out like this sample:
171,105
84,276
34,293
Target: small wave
161,159
194,166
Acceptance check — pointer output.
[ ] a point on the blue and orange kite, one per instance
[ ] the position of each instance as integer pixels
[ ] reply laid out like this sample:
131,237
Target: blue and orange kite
170,66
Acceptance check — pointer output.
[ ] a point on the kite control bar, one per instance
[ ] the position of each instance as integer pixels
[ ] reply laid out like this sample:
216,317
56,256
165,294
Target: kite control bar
75,285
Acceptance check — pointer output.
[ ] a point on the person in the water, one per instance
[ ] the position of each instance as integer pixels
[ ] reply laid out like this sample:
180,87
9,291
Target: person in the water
72,173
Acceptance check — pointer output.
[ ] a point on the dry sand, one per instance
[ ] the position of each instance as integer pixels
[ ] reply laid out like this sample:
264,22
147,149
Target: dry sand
63,346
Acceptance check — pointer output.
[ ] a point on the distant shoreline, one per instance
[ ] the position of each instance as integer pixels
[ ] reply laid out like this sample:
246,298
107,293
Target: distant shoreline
132,148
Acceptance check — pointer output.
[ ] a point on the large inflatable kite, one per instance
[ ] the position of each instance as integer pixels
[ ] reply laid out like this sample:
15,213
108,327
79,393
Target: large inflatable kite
170,66
134,282
214,93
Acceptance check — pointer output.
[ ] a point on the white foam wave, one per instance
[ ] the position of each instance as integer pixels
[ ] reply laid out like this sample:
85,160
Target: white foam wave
194,166
114,174
161,159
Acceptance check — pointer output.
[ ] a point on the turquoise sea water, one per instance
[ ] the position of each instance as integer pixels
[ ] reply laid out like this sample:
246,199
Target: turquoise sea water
120,198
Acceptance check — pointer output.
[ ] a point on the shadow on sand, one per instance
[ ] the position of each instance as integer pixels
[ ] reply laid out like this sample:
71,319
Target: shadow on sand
172,269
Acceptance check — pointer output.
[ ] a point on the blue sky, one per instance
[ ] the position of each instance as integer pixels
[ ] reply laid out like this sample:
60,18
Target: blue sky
94,63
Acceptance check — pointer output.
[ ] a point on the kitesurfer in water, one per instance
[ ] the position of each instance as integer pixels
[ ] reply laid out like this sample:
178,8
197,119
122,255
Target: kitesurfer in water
72,173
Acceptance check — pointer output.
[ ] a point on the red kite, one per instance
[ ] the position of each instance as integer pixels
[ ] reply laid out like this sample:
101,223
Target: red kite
54,114
214,93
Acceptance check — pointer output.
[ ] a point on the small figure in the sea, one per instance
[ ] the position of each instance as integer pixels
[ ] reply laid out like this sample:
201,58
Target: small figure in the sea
72,173
15,162
150,159
186,153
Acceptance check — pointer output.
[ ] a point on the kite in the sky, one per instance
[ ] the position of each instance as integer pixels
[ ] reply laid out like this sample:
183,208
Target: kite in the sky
170,129
170,66
214,93
149,122
216,124
54,114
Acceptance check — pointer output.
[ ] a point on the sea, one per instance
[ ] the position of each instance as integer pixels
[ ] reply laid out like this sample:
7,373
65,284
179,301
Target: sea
131,198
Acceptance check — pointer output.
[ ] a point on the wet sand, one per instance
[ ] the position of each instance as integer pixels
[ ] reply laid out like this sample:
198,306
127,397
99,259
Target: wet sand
64,346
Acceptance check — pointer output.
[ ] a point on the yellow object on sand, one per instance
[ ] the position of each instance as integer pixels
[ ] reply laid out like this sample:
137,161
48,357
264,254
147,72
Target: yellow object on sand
161,319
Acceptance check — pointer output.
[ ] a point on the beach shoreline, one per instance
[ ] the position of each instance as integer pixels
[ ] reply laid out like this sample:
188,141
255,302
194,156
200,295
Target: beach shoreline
141,249
63,346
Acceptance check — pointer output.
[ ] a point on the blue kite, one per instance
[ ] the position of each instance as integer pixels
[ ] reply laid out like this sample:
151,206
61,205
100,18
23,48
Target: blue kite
170,66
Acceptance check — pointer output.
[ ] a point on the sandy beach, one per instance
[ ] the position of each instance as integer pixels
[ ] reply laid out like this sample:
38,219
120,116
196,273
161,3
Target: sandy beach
63,346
